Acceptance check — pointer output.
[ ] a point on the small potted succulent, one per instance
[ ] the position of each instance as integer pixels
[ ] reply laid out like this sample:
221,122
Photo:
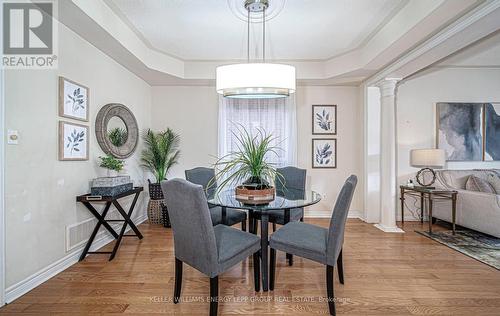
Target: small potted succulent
160,154
113,165
248,168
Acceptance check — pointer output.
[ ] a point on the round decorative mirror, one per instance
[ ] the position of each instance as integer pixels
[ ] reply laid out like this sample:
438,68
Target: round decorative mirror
116,130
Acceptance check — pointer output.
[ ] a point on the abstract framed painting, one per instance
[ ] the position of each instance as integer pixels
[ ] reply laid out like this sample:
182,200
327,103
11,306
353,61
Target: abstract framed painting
324,153
324,119
460,130
492,131
73,141
73,100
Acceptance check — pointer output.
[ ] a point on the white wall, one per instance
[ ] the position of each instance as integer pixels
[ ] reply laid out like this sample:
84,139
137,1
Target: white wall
417,113
192,111
40,191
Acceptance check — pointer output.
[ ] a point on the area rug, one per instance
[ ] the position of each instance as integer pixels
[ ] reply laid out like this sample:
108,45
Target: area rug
474,244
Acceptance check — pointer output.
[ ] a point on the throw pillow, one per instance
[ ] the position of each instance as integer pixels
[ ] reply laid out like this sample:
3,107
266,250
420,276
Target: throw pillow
494,181
477,184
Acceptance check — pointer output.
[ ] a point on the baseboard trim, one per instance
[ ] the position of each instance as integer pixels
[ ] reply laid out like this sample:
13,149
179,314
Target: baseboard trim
17,290
389,229
328,214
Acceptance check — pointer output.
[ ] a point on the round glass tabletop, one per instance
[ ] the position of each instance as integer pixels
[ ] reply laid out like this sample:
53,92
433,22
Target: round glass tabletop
288,199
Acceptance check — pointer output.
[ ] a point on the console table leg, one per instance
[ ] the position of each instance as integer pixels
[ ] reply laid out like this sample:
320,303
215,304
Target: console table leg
422,206
453,210
430,214
402,198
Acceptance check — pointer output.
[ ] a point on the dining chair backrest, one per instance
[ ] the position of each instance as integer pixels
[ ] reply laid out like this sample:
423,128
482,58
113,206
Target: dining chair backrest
293,178
338,220
194,236
202,176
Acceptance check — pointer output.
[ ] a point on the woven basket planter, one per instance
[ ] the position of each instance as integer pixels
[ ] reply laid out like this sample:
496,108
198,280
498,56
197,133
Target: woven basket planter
155,192
155,210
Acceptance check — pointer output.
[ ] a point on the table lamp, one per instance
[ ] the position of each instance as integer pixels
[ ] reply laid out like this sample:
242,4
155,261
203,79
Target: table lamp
427,159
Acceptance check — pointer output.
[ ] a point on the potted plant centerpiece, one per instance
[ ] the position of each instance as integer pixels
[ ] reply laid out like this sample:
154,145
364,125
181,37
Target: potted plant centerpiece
248,168
160,154
113,165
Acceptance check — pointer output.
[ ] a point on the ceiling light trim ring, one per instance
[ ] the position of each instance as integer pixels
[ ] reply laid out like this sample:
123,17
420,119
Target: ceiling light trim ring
240,12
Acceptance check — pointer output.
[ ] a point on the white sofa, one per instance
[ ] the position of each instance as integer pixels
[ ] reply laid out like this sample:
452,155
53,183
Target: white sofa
475,210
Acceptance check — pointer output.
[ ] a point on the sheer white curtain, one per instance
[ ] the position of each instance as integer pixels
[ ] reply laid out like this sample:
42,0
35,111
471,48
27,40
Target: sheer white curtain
275,116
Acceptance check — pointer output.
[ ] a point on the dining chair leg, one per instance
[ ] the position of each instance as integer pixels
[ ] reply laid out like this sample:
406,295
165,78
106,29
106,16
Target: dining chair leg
274,227
250,225
329,289
256,271
244,225
340,267
178,280
272,269
214,295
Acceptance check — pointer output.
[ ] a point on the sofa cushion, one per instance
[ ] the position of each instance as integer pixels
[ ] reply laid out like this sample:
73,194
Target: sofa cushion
477,184
494,180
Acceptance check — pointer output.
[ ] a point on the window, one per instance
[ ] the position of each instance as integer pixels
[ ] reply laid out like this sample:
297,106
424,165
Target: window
275,116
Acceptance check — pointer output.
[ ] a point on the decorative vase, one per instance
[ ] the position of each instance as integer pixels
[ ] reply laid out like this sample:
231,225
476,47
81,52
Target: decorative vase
112,173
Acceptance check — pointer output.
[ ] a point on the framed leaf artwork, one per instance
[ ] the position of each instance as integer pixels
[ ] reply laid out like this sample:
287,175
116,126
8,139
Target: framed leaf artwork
324,153
324,119
73,100
73,141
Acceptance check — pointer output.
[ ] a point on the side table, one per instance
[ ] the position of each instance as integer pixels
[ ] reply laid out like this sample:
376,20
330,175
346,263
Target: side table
430,195
87,199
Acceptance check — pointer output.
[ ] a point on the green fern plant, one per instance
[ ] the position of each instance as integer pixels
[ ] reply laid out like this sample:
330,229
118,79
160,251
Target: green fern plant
111,163
161,152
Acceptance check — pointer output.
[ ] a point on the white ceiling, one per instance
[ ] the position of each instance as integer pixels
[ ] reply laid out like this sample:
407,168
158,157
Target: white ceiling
209,30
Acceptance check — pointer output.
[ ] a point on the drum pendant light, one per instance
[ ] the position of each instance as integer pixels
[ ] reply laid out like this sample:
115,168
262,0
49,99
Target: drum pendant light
255,80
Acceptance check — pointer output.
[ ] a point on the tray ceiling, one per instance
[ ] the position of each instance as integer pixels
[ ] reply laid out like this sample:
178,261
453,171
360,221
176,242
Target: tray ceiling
209,30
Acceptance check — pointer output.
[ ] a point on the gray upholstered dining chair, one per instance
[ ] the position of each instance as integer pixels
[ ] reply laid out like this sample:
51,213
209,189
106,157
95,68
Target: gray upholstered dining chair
203,176
317,243
293,179
207,248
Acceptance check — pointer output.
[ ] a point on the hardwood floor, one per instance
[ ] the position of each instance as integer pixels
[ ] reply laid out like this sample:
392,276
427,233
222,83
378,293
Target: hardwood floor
385,274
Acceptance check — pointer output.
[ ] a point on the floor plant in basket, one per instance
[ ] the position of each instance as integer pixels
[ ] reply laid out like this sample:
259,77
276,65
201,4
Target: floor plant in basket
161,152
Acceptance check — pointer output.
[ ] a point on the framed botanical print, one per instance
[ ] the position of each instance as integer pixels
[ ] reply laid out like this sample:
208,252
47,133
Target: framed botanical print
324,119
73,100
324,153
73,141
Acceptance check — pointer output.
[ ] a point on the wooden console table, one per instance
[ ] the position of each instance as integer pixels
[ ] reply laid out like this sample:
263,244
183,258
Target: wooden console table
431,195
87,199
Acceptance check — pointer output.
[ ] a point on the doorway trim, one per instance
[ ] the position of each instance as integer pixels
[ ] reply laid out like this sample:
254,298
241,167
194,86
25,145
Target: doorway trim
2,176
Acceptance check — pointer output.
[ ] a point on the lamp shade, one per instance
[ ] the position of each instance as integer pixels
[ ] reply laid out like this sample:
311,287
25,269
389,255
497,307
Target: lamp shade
255,80
431,158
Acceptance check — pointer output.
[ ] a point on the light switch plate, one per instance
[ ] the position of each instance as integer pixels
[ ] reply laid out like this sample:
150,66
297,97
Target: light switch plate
12,137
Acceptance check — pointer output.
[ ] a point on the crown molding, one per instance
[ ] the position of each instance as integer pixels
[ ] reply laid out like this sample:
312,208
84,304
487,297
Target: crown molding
100,25
448,33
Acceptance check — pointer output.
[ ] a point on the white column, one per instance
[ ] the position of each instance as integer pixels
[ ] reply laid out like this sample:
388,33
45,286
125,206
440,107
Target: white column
388,174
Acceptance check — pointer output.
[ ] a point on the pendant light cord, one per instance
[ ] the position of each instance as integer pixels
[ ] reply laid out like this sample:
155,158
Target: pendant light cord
264,35
248,36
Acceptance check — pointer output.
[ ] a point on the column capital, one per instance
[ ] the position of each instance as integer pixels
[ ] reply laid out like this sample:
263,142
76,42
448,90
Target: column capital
388,86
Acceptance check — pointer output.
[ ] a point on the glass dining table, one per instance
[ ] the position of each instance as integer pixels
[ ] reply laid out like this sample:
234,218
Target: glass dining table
284,201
